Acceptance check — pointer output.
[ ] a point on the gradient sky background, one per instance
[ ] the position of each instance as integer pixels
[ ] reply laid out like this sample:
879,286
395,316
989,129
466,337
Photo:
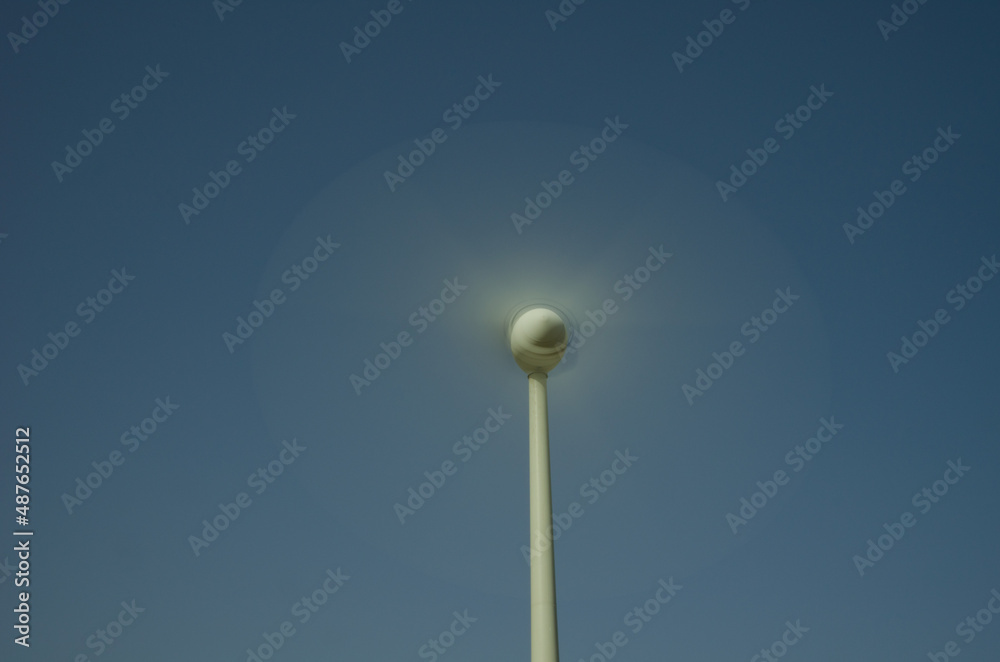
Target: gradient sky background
333,507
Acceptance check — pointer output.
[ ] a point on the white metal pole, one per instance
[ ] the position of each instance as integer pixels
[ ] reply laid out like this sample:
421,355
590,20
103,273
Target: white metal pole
544,633
538,338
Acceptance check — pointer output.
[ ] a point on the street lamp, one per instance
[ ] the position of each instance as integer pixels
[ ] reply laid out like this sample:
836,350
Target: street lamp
538,338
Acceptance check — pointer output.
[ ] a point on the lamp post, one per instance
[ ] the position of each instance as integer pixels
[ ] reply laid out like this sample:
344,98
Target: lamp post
538,338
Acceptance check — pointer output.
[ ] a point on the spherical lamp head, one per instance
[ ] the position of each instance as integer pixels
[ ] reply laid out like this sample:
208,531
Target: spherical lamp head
538,339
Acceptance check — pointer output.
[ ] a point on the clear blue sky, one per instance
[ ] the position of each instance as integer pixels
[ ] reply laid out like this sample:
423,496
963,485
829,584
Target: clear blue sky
275,270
